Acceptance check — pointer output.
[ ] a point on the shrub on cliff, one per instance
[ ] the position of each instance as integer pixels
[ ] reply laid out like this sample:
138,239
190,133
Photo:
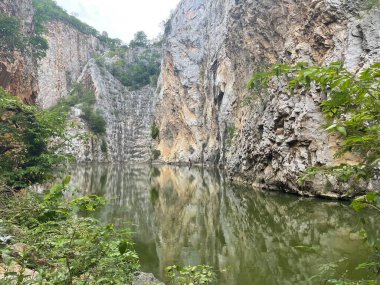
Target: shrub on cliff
154,131
10,36
11,39
85,100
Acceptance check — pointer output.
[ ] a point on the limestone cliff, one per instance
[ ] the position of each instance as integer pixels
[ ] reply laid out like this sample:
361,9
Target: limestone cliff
204,110
69,51
128,115
17,72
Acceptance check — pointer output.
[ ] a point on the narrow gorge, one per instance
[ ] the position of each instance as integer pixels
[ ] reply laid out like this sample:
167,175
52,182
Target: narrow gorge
188,138
202,107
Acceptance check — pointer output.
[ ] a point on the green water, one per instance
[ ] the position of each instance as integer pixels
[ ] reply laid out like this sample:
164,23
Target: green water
189,216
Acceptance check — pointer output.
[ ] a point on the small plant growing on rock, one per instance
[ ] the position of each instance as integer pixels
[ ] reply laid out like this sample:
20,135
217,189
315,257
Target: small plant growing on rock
154,131
156,154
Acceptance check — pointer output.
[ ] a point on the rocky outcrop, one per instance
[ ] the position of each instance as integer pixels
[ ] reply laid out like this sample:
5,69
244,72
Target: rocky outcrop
204,110
128,115
69,51
17,71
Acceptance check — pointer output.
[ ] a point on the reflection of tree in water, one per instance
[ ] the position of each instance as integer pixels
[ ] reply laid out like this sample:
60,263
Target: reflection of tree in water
188,216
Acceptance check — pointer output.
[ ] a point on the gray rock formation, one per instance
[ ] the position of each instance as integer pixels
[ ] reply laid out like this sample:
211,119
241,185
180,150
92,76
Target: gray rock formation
69,51
205,112
128,115
146,279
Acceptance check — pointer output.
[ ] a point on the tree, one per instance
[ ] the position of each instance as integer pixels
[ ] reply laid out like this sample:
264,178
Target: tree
25,132
140,40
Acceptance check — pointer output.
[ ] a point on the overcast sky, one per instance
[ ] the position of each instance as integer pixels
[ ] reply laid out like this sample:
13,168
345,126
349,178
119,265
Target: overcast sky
122,18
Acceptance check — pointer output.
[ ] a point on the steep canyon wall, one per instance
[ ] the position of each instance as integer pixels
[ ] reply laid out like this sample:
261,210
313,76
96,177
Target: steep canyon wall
17,70
205,111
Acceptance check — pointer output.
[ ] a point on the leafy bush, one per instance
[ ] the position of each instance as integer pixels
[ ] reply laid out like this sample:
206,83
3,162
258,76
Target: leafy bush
59,246
140,40
190,275
25,132
103,146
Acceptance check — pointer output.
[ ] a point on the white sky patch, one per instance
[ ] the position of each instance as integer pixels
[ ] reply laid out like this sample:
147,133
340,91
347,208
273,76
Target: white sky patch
122,18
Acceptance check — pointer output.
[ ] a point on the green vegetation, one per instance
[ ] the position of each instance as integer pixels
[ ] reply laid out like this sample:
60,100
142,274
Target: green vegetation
195,275
371,4
154,131
25,132
144,70
352,110
11,39
58,246
156,154
48,10
85,100
10,35
143,66
140,40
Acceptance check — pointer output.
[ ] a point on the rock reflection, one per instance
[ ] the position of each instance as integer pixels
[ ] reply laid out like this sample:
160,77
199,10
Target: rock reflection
190,216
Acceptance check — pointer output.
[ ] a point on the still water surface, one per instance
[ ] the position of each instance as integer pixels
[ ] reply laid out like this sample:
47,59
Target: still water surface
193,216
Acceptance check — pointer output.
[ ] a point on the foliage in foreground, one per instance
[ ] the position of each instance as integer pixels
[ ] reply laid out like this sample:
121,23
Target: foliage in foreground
55,246
351,109
25,132
190,275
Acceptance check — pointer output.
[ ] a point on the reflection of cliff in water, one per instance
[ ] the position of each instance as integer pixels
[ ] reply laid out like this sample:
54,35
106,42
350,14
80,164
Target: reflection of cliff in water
188,216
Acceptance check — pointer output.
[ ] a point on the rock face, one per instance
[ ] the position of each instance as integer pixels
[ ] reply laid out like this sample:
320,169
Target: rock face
18,73
69,51
128,115
70,60
204,110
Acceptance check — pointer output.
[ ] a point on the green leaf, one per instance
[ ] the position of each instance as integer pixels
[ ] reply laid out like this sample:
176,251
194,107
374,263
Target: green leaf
342,130
66,180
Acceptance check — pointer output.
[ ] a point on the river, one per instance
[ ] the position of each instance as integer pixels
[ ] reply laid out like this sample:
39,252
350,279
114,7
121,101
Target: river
192,216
